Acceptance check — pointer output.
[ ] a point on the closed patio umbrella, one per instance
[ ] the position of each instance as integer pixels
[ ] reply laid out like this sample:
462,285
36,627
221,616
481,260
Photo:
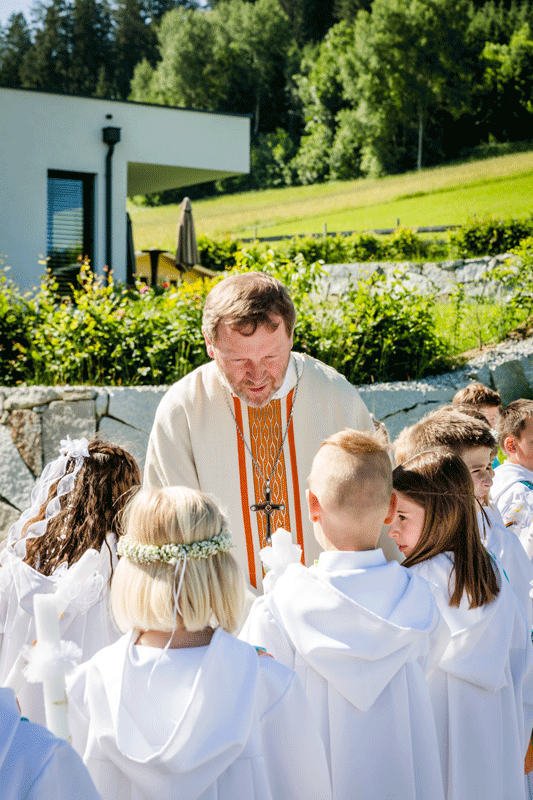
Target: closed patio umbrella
187,249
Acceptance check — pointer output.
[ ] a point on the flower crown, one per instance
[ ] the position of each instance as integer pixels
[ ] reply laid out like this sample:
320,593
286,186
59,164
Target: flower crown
171,553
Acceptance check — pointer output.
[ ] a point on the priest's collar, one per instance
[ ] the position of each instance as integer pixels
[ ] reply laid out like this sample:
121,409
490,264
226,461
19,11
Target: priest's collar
289,381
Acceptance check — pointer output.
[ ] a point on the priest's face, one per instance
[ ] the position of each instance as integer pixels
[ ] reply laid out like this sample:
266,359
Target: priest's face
253,365
407,524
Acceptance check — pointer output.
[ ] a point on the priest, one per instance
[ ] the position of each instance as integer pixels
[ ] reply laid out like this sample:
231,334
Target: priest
246,426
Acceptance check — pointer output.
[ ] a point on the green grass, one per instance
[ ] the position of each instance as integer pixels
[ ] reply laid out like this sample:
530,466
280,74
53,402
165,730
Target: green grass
501,186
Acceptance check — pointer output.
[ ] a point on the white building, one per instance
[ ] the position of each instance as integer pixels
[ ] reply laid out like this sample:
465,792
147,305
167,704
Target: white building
68,163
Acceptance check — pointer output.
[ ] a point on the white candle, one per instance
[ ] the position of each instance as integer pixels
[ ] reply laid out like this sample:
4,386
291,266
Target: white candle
55,698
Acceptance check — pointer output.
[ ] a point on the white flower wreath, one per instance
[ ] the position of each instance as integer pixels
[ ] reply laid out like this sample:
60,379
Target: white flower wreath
171,553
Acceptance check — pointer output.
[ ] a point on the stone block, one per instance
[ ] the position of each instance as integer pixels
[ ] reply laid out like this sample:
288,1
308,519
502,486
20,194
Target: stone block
8,515
102,403
25,427
481,374
72,393
131,439
510,381
16,480
387,399
60,419
30,396
403,419
135,405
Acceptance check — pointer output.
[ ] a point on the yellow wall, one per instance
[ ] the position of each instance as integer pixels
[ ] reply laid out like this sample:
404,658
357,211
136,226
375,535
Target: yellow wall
166,271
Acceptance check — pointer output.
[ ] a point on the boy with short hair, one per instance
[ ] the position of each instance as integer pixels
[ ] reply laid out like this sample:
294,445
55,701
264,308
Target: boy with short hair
512,491
472,440
485,400
357,629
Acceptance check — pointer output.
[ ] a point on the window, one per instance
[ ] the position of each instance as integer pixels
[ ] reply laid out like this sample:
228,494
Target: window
70,224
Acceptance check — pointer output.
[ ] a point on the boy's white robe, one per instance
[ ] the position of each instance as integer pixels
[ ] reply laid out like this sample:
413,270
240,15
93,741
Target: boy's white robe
356,630
481,691
88,620
514,500
247,732
508,550
34,764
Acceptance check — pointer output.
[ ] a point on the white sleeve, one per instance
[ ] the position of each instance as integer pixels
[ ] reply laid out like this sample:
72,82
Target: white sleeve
63,777
169,457
262,630
293,750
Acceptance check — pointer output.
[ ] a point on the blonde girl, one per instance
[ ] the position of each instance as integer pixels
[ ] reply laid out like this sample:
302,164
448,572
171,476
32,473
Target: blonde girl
481,691
178,707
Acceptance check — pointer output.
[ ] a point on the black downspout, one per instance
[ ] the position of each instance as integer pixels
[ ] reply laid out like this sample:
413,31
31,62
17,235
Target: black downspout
111,137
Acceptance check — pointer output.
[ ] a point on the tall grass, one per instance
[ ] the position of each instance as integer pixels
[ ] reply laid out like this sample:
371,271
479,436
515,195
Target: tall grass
501,186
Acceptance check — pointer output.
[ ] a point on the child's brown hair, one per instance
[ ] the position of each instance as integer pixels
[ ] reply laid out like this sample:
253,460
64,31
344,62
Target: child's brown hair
513,419
444,428
439,482
101,489
477,394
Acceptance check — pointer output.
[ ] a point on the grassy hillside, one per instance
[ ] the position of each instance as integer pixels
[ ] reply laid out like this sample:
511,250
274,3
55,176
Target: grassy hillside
501,186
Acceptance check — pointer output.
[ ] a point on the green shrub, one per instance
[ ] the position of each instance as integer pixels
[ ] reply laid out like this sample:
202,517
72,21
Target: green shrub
377,330
217,254
14,336
488,236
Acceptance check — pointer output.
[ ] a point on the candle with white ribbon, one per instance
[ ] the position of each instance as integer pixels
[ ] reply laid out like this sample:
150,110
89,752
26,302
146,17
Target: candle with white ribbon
77,575
48,647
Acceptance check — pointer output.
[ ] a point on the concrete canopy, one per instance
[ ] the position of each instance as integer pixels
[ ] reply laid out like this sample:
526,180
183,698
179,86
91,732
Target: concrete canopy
159,148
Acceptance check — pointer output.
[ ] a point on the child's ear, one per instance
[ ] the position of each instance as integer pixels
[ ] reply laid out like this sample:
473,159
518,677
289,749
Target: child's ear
392,508
509,444
313,504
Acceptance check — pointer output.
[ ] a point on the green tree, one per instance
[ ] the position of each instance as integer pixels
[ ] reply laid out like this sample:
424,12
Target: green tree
196,67
409,61
15,41
230,58
46,64
507,105
135,39
91,65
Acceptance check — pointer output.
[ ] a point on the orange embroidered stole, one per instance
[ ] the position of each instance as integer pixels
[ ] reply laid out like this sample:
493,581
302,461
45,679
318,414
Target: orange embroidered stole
266,430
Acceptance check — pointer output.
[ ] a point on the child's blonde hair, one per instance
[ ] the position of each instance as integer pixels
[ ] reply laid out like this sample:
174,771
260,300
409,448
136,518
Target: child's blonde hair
142,595
363,464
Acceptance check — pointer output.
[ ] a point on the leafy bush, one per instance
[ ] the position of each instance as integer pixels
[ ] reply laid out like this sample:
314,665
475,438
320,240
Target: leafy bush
217,254
14,339
378,330
489,236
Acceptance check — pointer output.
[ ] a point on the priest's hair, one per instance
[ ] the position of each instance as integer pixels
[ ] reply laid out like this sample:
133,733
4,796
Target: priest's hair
359,466
439,481
142,595
245,302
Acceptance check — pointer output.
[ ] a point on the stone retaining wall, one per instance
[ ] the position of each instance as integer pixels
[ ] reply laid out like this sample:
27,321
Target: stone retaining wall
441,277
34,419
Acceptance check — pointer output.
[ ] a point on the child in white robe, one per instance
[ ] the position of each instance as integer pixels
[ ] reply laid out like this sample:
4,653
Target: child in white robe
357,630
36,765
472,440
74,509
512,490
481,690
179,709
